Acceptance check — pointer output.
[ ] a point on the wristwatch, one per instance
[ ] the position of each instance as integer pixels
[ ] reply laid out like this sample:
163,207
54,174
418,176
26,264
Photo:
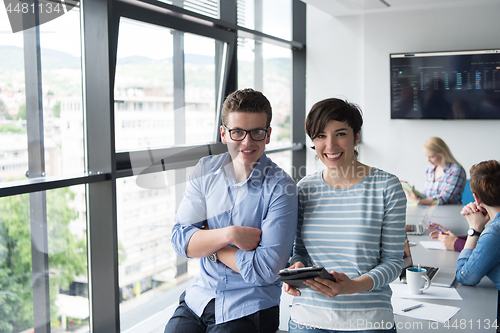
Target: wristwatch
213,257
471,232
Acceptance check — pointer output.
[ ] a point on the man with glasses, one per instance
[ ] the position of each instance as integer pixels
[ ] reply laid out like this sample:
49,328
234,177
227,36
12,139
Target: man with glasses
239,215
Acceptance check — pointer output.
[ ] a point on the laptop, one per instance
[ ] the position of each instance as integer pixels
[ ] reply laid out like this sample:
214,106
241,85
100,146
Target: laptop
416,224
439,276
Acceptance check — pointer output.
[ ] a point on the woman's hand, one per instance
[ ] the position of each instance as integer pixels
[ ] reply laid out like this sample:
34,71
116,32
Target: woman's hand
289,289
343,285
328,287
446,237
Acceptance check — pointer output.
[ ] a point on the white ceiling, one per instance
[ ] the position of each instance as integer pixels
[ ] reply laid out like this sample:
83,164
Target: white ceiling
359,7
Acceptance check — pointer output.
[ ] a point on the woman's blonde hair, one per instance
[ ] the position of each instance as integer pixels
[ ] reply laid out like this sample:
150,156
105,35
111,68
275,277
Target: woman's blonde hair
438,146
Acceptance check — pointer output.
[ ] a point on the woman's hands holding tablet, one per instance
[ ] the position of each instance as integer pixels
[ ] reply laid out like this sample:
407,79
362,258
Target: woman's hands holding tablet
289,289
295,277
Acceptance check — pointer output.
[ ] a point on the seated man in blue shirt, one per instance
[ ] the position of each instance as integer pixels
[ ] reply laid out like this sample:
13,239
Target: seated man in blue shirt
481,254
239,215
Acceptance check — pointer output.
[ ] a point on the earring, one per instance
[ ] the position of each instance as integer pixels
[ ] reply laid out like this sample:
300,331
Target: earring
316,157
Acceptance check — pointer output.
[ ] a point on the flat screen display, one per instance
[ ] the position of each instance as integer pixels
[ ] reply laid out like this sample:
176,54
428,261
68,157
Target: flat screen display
445,85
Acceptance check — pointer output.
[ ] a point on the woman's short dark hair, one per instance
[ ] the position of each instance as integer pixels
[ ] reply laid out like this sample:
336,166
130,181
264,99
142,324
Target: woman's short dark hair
485,182
246,100
332,109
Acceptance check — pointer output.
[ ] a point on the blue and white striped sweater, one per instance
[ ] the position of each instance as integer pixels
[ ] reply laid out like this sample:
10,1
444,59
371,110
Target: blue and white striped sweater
356,231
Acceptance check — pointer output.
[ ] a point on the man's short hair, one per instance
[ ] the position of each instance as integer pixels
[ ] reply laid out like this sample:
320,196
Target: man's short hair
247,100
485,182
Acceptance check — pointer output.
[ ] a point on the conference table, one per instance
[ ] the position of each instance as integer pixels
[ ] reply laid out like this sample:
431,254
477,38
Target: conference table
478,307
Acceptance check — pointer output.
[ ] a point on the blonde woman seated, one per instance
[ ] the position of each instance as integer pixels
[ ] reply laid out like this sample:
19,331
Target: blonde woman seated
445,178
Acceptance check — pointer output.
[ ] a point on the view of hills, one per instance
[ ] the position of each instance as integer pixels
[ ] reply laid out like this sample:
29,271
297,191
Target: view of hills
12,57
62,71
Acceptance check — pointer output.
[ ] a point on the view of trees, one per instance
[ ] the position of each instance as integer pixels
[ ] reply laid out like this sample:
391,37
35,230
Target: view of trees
67,256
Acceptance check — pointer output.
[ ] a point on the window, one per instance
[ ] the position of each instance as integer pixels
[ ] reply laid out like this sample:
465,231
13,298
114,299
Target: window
81,128
145,79
270,17
62,94
267,68
148,265
13,133
52,252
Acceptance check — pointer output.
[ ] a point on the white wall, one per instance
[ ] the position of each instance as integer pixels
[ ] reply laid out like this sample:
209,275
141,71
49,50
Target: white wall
349,56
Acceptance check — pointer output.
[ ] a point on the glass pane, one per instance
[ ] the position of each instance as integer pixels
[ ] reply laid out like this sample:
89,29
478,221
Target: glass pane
200,89
270,17
284,160
67,260
62,94
267,68
13,136
155,107
61,98
150,273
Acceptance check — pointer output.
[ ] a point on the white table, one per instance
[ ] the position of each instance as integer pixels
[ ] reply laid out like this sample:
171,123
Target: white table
478,306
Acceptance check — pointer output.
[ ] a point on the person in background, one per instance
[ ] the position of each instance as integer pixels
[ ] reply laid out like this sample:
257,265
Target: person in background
239,215
352,222
481,254
445,178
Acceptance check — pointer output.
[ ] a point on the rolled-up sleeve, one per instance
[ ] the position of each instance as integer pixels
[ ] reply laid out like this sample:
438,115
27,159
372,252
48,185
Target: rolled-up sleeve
473,265
278,227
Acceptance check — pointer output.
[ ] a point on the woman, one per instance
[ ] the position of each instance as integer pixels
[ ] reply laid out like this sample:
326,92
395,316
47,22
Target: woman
351,221
444,179
481,254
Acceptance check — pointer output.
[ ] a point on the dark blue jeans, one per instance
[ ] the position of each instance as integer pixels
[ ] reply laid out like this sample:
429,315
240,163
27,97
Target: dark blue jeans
184,320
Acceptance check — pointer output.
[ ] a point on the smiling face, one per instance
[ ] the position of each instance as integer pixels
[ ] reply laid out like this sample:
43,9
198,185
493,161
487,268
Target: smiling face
246,153
433,158
335,144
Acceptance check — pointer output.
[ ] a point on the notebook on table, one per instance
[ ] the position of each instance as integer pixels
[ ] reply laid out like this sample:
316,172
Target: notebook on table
439,276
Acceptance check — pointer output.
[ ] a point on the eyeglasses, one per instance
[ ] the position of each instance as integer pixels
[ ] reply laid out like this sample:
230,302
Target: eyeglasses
241,134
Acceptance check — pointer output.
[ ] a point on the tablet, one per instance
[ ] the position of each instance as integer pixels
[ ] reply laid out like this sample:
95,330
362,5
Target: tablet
295,277
411,189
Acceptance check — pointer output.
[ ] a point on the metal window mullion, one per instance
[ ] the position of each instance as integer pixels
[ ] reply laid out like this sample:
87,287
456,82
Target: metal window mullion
179,125
298,88
259,55
99,37
36,168
229,13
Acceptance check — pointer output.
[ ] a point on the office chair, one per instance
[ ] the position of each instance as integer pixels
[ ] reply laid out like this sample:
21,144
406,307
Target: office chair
467,195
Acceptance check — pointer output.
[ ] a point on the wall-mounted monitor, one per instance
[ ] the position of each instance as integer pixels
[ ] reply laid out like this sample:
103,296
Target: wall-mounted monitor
445,85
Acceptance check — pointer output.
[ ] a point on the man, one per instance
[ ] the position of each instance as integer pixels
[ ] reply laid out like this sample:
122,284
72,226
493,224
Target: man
239,215
481,254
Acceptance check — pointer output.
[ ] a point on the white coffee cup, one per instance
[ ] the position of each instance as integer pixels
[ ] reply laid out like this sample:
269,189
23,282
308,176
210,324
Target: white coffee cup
416,280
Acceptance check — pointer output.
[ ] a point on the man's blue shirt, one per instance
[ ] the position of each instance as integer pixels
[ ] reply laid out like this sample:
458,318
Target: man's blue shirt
266,200
473,265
